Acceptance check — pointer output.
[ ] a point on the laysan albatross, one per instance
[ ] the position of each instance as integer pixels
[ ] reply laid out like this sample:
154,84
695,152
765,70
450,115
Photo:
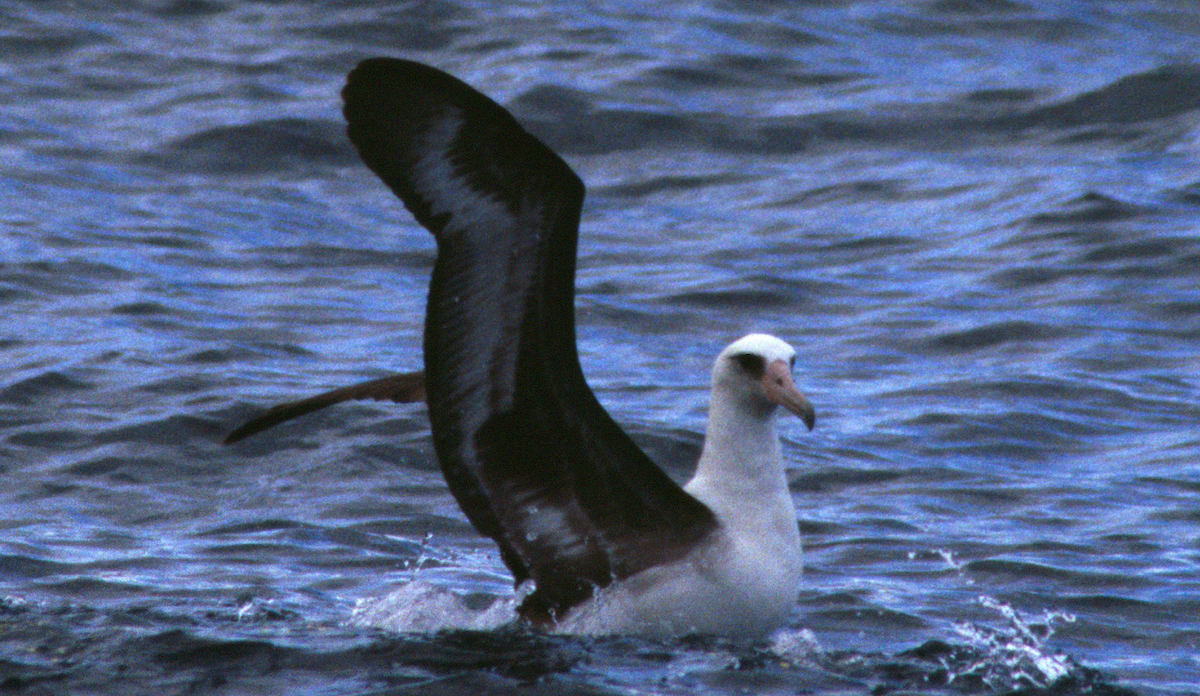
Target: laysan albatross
611,543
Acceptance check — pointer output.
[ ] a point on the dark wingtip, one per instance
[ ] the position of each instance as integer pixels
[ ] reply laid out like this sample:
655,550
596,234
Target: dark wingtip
405,388
257,425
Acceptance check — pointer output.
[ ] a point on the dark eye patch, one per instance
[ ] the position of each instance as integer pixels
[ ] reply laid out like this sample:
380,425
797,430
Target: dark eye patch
754,364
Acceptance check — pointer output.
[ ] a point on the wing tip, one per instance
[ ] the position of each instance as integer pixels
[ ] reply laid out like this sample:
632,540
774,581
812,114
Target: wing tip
402,388
256,425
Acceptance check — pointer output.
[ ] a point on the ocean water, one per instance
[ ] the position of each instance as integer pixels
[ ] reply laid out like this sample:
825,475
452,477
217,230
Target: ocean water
978,221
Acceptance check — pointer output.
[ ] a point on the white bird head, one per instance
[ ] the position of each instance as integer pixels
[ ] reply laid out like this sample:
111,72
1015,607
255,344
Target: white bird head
756,370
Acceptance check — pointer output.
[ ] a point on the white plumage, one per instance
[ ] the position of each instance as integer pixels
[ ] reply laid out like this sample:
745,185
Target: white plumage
744,579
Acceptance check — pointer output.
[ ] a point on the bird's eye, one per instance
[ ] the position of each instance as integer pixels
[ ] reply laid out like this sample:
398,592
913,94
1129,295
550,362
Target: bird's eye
792,362
754,364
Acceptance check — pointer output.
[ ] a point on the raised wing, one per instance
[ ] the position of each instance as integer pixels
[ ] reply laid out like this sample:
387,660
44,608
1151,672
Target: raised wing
532,458
403,388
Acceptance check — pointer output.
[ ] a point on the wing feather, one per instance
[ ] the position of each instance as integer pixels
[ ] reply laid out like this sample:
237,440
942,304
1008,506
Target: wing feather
405,388
532,458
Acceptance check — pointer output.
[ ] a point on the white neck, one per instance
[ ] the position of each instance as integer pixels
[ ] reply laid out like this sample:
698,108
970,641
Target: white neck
740,477
741,458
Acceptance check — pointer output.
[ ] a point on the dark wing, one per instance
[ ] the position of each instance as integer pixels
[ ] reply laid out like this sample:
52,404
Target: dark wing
532,458
403,389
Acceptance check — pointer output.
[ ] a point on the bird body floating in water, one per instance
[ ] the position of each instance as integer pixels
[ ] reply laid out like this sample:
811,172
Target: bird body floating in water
611,543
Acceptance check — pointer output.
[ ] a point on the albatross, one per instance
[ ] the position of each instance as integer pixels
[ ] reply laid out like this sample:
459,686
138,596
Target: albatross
610,543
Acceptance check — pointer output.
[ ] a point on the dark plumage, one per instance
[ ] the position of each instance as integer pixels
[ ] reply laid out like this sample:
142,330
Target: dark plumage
532,458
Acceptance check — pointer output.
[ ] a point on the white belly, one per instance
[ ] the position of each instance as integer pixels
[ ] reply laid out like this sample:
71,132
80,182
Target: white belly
734,586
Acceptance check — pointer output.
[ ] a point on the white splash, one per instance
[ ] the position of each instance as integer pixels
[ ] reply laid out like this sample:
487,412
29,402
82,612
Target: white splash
424,607
1016,655
796,645
419,605
958,566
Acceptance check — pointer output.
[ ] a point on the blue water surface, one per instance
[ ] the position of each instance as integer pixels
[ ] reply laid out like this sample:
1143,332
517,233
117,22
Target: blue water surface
975,220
